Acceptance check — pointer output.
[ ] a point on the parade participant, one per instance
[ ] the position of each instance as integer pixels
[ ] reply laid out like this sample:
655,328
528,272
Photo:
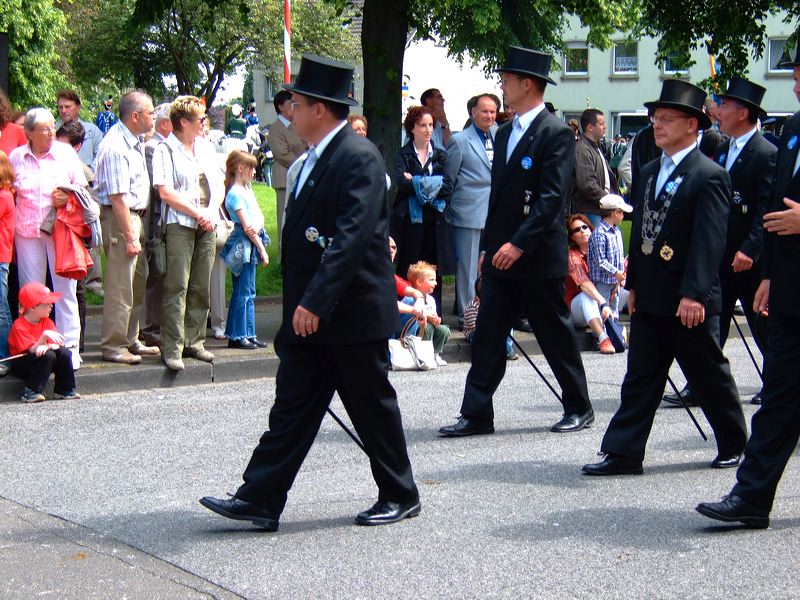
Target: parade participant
523,258
775,427
677,242
336,269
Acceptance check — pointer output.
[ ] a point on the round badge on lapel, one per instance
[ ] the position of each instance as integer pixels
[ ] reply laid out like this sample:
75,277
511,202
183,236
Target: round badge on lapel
722,158
312,235
792,142
527,162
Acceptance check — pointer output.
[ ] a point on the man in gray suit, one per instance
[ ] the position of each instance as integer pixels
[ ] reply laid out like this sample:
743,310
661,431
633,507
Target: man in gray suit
469,165
286,147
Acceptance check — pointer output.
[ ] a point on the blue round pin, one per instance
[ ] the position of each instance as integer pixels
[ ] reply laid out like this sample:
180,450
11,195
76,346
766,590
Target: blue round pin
792,142
527,162
722,159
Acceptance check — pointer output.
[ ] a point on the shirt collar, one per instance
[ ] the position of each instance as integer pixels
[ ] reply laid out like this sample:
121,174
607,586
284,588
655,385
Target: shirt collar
526,119
286,122
742,140
481,133
679,155
320,148
127,134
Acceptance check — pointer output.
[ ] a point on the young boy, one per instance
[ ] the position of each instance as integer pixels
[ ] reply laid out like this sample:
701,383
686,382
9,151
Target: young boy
606,252
422,277
35,335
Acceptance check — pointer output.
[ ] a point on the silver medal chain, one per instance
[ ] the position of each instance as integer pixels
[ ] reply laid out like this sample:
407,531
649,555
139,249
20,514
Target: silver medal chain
653,220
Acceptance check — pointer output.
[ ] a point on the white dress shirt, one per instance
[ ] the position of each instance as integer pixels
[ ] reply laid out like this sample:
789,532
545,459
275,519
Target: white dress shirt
735,147
668,165
520,125
314,154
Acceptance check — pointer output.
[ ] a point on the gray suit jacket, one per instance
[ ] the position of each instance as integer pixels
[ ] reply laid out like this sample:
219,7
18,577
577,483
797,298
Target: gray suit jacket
470,170
286,147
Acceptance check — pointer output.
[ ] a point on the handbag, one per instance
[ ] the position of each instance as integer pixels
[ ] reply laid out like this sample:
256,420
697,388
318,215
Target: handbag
224,229
411,352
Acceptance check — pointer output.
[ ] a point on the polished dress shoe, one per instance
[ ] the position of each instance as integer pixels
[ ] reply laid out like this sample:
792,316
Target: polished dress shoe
465,427
258,342
726,462
686,394
384,512
732,509
242,344
614,464
573,422
241,510
756,399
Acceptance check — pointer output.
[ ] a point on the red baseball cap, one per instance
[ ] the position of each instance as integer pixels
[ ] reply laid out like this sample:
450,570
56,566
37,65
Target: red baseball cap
35,293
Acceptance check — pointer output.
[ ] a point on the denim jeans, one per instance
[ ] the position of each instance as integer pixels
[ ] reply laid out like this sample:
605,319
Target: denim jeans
5,311
241,310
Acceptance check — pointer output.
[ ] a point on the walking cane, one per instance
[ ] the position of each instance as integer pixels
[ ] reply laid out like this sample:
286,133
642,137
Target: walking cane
535,368
691,416
746,345
347,431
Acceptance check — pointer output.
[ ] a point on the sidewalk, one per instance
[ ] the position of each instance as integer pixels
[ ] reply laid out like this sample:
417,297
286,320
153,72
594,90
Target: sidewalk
96,376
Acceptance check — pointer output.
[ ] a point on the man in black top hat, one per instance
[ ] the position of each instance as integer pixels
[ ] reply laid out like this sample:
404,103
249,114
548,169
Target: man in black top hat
776,426
524,251
336,270
677,243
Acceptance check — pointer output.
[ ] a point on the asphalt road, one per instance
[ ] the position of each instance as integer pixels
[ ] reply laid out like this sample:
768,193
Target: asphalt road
116,478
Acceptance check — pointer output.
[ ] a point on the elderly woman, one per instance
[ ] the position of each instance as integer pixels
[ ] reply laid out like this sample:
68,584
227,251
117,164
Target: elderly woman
418,224
40,167
188,178
587,305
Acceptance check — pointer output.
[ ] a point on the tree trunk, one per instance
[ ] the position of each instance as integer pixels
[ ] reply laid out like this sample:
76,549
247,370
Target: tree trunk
383,42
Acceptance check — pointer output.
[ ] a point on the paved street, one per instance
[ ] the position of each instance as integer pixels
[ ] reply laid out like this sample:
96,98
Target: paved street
101,502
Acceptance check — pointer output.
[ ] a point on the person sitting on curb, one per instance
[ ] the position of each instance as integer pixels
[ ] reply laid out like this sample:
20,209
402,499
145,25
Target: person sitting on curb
422,276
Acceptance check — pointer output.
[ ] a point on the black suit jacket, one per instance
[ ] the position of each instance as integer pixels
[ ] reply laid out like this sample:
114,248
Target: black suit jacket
350,286
540,170
781,258
694,228
751,175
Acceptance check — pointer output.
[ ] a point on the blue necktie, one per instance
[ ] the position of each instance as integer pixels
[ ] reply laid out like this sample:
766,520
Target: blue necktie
514,137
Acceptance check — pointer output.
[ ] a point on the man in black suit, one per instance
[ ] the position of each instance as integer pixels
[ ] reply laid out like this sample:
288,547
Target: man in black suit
524,251
336,270
750,161
677,242
776,426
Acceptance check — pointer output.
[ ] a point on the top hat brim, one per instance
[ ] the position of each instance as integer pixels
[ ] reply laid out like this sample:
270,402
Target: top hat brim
702,118
528,74
748,103
291,87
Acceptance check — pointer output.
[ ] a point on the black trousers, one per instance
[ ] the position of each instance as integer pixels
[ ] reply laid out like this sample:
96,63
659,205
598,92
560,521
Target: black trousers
741,287
36,370
653,344
307,377
542,302
776,426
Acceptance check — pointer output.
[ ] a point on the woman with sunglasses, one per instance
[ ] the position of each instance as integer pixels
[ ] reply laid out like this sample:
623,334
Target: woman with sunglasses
587,305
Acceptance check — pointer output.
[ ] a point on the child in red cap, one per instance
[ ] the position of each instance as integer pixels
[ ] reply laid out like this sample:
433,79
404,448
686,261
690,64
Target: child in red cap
35,335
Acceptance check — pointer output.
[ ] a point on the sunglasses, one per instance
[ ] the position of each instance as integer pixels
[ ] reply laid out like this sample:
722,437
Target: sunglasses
580,228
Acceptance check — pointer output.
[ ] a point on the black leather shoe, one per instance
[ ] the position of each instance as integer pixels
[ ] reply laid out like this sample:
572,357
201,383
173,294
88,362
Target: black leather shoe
732,509
257,342
614,465
522,325
242,344
465,427
756,399
686,394
384,512
240,510
726,462
573,422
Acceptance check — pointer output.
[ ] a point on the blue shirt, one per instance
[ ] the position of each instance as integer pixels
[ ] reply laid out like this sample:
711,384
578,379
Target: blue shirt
606,253
239,197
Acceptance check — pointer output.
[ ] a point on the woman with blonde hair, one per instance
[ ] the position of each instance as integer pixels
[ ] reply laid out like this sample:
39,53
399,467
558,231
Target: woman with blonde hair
188,177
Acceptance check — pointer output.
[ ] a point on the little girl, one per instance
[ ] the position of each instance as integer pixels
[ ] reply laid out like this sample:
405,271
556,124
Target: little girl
6,244
241,253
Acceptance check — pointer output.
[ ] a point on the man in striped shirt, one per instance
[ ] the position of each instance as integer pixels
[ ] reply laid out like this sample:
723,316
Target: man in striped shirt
606,250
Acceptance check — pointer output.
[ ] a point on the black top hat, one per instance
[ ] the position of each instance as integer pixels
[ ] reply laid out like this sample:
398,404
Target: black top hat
528,62
325,79
683,96
747,93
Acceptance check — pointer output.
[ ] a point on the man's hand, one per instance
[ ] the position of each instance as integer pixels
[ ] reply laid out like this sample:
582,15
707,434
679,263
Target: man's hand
59,198
691,312
741,262
304,322
133,247
619,276
506,256
784,222
761,300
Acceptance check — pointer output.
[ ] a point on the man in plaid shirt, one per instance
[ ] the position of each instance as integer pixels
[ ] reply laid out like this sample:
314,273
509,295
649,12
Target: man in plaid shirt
606,251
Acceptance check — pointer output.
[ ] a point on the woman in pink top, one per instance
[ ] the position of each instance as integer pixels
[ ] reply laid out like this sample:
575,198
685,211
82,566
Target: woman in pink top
40,167
11,135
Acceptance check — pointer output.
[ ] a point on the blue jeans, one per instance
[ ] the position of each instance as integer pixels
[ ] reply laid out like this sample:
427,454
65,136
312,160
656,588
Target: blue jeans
5,311
241,311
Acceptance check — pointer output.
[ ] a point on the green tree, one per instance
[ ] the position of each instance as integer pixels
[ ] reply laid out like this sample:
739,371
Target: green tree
36,30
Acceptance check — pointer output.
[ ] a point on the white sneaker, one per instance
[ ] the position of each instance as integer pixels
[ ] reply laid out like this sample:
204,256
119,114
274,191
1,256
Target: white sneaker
440,362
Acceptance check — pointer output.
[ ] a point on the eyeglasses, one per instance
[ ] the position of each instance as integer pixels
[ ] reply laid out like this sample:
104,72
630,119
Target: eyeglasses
296,104
506,78
580,228
667,120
